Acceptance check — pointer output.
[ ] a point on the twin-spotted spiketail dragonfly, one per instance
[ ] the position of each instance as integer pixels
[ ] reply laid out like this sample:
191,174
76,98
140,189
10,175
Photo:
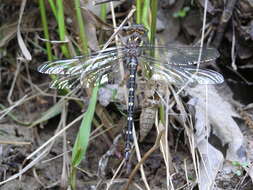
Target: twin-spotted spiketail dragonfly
174,64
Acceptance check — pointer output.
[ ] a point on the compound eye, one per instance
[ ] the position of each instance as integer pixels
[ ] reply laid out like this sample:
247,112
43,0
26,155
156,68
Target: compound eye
142,32
132,31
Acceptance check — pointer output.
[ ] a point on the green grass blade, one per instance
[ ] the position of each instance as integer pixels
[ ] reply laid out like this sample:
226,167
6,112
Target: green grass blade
162,114
53,7
45,28
81,27
138,11
103,8
153,5
145,15
82,139
61,25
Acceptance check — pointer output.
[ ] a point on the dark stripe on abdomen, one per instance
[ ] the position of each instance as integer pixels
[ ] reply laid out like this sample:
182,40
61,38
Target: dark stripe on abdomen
132,65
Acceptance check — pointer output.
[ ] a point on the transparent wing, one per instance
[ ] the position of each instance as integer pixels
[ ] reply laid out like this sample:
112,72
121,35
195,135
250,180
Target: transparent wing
182,74
178,55
81,64
84,71
86,79
66,82
204,76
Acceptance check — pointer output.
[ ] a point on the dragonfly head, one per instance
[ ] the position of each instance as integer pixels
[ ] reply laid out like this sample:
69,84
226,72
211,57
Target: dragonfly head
135,28
136,32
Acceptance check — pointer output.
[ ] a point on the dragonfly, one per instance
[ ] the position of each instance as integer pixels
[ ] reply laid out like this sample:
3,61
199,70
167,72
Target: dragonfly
175,64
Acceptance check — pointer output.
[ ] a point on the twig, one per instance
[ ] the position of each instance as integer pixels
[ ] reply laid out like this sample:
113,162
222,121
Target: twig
233,56
66,159
9,109
225,17
53,138
166,149
138,154
146,155
15,143
98,2
115,174
14,82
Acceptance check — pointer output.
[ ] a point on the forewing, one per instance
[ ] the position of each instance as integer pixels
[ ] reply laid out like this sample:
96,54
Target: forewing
178,55
84,71
80,64
88,78
66,82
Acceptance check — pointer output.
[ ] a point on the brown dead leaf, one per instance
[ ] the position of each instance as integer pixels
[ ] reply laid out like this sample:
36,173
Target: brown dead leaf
92,22
94,19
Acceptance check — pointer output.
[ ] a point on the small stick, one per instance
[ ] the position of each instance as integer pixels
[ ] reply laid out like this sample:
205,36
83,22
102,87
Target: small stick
146,155
226,15
15,143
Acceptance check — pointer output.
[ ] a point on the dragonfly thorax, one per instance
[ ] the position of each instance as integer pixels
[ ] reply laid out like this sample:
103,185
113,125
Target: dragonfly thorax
132,49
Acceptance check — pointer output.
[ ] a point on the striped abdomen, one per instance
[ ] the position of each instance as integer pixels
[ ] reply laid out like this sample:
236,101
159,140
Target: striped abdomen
132,65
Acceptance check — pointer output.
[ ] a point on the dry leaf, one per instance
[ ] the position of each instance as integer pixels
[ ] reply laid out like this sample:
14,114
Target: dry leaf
211,159
21,42
220,115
